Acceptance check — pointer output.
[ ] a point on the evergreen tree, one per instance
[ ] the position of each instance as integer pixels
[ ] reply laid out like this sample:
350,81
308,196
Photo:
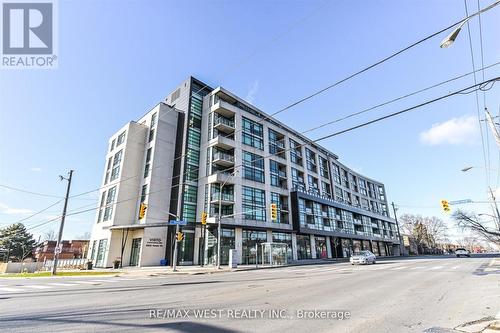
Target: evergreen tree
16,242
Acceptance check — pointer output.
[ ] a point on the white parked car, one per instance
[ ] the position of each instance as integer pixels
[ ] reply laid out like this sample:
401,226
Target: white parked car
462,252
363,257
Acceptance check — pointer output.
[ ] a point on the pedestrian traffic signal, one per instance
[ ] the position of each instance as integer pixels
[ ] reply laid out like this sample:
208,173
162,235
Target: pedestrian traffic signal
204,216
179,236
446,206
142,210
274,212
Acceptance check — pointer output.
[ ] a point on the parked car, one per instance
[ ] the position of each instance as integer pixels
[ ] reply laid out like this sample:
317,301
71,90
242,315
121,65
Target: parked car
363,257
462,252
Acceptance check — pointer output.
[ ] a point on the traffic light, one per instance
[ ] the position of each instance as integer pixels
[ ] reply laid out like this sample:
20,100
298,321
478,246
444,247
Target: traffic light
179,236
446,206
142,210
274,212
204,216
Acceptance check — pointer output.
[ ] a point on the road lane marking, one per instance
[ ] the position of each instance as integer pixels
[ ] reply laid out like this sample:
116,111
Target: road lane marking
62,284
10,289
104,281
37,287
455,267
418,267
436,267
86,282
398,268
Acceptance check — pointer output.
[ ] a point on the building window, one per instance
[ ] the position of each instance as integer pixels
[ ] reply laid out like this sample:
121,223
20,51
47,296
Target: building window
276,143
108,170
303,247
110,199
190,193
323,167
295,152
313,184
298,180
151,134
153,120
277,173
254,204
253,133
121,139
362,187
112,145
148,164
326,190
115,172
336,174
311,160
253,167
144,192
284,238
251,239
101,206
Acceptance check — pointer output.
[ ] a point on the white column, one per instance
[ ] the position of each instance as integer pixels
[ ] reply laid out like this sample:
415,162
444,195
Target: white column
328,247
196,246
238,243
313,246
294,246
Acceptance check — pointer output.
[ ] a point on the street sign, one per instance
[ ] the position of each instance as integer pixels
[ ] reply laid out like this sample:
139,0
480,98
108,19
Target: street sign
458,202
174,222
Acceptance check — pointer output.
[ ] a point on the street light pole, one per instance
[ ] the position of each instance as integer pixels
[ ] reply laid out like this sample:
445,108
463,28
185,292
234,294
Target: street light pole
397,225
220,217
61,226
174,260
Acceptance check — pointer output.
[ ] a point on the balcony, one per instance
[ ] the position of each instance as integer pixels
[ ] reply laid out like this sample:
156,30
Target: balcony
223,159
222,142
282,174
221,177
224,125
226,199
224,108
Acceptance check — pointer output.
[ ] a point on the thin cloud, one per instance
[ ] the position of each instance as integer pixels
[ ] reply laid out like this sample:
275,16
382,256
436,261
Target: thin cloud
456,131
252,91
36,169
5,209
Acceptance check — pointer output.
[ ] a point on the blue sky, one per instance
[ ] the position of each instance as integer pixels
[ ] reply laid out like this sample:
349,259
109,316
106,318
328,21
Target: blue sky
119,58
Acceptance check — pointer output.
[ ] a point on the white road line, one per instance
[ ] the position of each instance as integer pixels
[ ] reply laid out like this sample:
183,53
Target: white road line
37,287
398,268
345,269
10,289
418,267
104,280
86,282
436,267
62,284
455,267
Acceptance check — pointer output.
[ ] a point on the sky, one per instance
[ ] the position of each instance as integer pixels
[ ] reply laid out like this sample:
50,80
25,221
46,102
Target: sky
117,59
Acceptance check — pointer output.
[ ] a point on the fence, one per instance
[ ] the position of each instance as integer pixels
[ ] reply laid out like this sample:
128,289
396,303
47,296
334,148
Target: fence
66,264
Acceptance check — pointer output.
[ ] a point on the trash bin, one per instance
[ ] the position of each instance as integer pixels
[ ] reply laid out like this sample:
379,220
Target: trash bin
89,265
163,262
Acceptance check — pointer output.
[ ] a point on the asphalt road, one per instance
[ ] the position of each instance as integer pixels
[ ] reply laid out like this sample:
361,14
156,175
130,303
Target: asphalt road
430,294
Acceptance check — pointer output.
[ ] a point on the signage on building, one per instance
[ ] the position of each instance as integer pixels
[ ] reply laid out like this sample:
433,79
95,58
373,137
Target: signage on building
175,222
154,242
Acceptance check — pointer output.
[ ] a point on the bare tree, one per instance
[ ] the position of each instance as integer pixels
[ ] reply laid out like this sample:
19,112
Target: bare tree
49,235
470,221
426,231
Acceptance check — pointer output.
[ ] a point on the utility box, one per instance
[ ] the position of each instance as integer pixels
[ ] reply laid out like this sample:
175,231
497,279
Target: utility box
233,258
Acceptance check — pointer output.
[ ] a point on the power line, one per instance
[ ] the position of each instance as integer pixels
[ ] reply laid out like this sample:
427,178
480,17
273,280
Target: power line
30,192
39,212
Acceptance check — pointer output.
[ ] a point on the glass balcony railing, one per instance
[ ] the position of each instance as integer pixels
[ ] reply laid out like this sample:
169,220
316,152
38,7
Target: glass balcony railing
224,157
224,197
224,121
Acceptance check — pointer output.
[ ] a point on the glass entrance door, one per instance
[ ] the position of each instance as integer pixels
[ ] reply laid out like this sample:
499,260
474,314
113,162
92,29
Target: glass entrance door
135,252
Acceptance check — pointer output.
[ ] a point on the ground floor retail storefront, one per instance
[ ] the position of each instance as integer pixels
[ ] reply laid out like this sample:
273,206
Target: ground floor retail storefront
154,246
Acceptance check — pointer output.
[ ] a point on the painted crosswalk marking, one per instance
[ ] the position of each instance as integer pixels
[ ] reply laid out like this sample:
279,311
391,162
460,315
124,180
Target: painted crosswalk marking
455,267
418,267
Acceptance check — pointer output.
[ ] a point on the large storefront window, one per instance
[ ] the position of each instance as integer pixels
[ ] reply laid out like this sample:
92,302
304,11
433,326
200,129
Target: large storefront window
356,245
366,245
346,248
321,251
254,204
186,248
250,252
226,241
282,237
383,252
303,247
375,249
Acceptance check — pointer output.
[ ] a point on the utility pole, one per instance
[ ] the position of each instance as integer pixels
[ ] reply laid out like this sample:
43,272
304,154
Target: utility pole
397,225
61,226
